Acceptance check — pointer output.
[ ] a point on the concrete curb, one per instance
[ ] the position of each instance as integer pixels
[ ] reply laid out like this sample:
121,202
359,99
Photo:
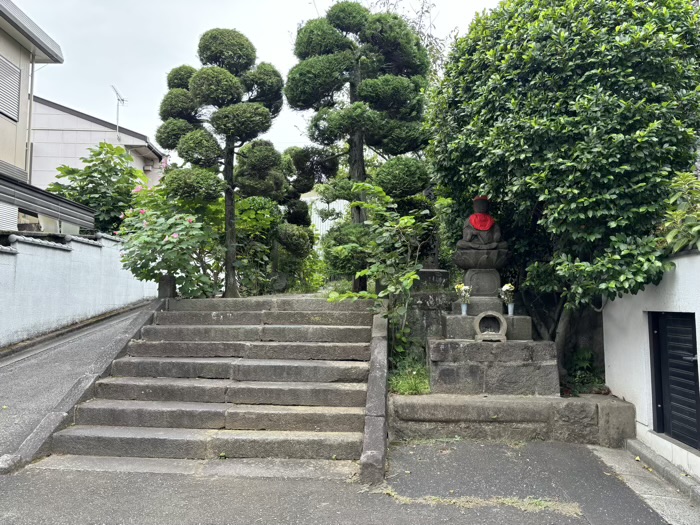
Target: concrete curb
38,443
675,476
20,346
374,446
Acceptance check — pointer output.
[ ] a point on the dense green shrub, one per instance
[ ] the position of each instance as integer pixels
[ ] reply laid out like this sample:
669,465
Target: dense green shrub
344,249
193,185
178,104
179,77
215,86
227,48
574,116
402,177
199,148
171,131
105,183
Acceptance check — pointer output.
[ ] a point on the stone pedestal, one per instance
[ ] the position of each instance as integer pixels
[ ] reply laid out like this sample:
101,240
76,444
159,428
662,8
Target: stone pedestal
464,361
483,282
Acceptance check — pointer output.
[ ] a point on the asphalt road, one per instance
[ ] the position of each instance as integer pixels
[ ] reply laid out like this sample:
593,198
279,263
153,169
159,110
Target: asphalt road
33,381
441,482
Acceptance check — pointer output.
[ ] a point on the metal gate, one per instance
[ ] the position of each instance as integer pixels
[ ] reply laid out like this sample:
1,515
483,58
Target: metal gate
677,388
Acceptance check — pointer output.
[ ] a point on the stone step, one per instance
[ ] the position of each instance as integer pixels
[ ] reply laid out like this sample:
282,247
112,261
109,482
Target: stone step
280,304
280,468
227,391
280,333
177,414
150,442
263,318
243,369
251,350
462,327
479,305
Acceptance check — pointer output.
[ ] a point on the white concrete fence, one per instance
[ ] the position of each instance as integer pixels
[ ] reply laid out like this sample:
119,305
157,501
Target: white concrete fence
46,285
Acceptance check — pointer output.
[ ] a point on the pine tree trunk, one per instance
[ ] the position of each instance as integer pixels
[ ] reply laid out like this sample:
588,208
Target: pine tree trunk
356,169
230,282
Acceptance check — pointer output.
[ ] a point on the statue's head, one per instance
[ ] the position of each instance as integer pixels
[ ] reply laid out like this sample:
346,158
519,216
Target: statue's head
481,204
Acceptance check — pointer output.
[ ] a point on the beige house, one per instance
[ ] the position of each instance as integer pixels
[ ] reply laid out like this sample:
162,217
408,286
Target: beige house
22,206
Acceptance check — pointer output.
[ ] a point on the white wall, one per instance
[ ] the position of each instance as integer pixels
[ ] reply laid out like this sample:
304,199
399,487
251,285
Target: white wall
45,286
628,355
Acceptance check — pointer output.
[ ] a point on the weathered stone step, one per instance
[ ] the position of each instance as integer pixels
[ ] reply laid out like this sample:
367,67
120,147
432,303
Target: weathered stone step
263,318
462,327
280,333
281,468
226,391
149,442
243,369
280,304
252,350
177,414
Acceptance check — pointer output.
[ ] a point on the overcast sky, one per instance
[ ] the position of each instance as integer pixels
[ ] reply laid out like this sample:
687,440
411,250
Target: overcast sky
132,44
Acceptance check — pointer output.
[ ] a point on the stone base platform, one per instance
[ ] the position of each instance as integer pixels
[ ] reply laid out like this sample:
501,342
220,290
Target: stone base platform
462,327
463,366
589,419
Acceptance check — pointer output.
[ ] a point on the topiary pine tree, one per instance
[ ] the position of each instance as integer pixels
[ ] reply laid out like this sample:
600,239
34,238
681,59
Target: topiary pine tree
363,75
210,113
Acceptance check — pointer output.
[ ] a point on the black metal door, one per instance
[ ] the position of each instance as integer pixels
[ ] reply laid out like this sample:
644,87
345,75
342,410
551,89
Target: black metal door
678,381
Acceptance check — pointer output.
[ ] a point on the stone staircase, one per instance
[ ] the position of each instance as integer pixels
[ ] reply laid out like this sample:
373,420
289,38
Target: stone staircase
278,377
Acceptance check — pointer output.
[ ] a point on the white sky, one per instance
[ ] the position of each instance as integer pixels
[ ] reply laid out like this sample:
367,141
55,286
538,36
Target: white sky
132,44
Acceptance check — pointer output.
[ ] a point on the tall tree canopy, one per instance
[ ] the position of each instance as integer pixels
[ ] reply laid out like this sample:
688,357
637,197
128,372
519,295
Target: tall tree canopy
363,75
211,112
574,116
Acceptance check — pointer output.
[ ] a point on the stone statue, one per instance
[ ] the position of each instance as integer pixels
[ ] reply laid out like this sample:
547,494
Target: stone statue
480,230
481,246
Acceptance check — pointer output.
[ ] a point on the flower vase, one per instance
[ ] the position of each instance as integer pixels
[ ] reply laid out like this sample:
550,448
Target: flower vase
511,309
464,308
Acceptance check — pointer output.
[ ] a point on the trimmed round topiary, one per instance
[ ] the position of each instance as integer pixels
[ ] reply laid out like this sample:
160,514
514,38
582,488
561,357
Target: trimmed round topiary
399,45
399,97
264,84
313,81
318,37
402,177
227,48
298,213
179,77
194,185
349,17
178,103
215,86
259,156
171,131
297,240
242,122
200,148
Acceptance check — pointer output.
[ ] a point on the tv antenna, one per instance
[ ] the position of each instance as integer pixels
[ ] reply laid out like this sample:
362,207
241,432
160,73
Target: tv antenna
121,101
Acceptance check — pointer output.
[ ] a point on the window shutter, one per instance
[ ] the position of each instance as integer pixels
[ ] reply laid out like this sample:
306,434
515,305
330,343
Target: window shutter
9,89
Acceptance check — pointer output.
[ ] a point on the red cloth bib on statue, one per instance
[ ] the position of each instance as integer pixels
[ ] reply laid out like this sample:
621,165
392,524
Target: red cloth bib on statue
482,221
